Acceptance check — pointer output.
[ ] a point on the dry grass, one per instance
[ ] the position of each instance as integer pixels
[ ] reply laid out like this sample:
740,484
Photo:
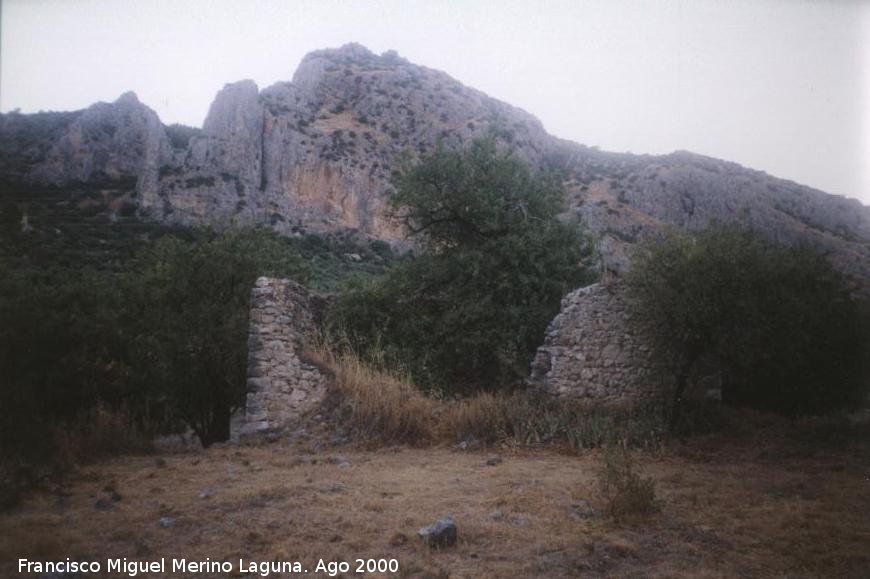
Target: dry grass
763,497
378,406
382,407
727,509
628,494
483,417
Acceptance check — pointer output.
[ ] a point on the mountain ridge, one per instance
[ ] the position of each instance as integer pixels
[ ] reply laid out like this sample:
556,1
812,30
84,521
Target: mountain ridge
315,154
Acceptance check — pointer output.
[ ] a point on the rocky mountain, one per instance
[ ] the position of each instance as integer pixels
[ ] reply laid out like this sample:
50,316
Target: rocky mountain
315,154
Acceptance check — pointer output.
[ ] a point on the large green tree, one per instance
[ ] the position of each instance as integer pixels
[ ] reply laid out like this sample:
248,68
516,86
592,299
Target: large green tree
469,307
188,307
778,321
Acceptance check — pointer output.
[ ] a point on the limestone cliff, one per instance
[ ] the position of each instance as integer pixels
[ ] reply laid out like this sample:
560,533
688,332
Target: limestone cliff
316,154
108,143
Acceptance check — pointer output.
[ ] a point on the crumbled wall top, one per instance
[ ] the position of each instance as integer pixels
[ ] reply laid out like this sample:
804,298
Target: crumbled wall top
595,350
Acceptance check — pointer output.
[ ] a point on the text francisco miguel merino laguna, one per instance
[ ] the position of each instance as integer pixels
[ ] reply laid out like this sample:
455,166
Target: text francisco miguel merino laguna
163,566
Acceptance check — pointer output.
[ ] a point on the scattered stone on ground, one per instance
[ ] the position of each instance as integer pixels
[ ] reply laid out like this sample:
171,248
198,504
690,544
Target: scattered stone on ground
167,522
332,488
497,515
441,533
582,510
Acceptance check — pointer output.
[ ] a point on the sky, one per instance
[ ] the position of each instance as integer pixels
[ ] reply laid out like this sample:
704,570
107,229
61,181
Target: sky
777,85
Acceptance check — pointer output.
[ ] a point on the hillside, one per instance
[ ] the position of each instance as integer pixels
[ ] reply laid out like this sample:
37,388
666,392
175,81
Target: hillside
316,154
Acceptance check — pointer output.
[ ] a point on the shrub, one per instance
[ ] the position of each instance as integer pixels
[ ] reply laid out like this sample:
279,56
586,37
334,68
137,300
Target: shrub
181,135
778,322
99,432
188,311
626,492
59,352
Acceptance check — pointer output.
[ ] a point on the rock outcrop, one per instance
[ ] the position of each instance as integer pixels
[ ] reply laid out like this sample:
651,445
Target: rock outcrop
282,388
108,144
316,154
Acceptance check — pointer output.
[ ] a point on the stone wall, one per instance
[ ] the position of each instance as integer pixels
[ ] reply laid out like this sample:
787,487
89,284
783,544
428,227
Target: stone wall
594,350
282,388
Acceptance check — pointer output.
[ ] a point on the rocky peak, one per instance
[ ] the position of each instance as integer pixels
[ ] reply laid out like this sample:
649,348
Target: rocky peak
128,98
108,143
235,111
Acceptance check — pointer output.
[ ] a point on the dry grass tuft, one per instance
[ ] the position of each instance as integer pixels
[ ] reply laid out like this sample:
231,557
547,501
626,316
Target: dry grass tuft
628,494
483,418
378,405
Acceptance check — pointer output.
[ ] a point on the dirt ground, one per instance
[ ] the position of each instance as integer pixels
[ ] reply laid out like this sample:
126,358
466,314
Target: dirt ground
726,510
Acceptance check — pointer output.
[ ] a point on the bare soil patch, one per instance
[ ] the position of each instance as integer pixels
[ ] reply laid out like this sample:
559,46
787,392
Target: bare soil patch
727,509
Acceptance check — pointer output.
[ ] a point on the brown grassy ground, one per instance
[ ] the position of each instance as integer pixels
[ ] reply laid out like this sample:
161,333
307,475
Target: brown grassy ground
755,507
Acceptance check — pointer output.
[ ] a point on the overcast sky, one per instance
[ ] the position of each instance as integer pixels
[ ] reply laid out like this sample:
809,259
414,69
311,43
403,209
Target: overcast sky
778,85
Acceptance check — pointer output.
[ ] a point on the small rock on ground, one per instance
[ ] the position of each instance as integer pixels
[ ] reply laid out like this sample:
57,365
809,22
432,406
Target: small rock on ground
441,533
167,522
582,510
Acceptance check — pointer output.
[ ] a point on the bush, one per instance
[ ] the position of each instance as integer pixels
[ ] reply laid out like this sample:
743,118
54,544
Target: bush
99,432
627,493
59,352
187,307
181,135
468,310
778,322
151,338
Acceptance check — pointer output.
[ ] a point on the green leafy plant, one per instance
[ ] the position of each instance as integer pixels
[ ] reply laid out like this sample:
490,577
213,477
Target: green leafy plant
188,309
777,322
468,309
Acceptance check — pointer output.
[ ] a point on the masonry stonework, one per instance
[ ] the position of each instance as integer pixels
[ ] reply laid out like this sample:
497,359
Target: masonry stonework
595,350
282,388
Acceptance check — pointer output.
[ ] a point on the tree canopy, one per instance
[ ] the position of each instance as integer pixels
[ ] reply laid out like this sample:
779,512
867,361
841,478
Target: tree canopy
468,309
188,305
161,334
778,321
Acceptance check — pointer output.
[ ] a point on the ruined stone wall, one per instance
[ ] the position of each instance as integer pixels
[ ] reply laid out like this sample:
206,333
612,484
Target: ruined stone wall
595,350
282,388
